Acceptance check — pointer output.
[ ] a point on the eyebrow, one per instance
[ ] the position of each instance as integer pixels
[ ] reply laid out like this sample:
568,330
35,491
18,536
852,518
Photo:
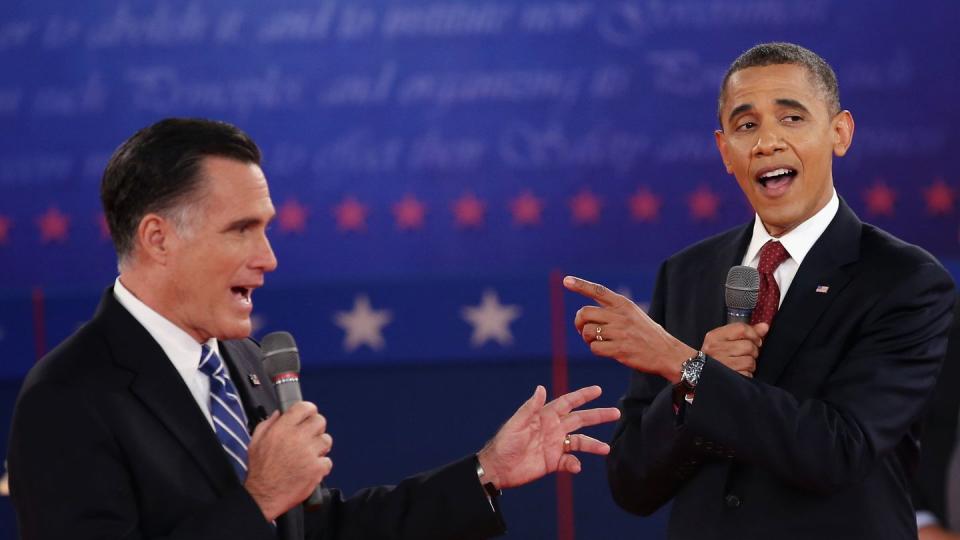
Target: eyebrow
241,223
738,110
792,103
783,102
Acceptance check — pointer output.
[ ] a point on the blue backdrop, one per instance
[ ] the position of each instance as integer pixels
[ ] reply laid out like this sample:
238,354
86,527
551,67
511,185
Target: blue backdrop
432,164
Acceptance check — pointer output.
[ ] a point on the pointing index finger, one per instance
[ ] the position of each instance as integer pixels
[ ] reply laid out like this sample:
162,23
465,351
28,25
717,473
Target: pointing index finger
596,291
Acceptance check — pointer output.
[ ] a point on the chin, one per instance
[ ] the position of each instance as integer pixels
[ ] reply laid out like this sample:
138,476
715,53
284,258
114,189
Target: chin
237,331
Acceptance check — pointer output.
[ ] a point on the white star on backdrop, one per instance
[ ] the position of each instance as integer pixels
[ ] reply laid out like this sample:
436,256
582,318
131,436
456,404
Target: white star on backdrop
491,320
363,324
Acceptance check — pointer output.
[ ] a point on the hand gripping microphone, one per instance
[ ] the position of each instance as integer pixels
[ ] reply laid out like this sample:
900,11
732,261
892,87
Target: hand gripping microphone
741,291
281,360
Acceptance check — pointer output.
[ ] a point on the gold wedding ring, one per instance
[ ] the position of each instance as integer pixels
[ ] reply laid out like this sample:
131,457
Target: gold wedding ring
566,444
599,335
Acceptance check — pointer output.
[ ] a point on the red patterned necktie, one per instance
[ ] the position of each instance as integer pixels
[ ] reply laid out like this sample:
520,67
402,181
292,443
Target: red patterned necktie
771,255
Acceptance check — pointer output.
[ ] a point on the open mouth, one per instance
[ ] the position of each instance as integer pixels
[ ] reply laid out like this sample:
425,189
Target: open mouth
242,294
776,178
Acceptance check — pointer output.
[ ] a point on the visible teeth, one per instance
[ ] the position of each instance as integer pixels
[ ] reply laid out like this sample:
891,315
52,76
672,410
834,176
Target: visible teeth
776,172
244,294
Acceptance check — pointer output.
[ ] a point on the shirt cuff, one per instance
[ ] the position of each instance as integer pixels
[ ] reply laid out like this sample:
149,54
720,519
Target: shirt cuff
926,519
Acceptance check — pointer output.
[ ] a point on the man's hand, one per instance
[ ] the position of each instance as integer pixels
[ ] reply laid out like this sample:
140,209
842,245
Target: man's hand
531,444
736,346
934,532
619,329
287,458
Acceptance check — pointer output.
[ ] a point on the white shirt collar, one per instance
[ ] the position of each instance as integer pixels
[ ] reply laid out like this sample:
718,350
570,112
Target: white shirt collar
800,240
179,346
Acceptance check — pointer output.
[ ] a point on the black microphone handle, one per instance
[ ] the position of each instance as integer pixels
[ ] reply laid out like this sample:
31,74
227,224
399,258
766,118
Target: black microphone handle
735,315
289,393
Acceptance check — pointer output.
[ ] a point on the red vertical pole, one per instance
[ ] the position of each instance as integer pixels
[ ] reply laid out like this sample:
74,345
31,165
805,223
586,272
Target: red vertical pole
558,324
39,323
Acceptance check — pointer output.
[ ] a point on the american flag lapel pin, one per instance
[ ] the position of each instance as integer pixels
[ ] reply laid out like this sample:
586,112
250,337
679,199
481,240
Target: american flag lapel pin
822,289
254,380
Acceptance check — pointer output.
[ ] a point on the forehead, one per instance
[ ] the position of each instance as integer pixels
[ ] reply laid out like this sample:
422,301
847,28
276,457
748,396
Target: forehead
232,179
764,85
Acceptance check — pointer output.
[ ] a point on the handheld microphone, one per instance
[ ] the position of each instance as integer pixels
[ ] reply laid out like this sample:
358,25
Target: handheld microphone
741,292
281,360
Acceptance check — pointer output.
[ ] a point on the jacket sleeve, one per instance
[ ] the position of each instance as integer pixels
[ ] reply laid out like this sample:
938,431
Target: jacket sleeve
650,456
447,503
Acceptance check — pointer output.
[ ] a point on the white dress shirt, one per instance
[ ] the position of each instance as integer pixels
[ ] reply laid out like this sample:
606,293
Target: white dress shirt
797,243
182,350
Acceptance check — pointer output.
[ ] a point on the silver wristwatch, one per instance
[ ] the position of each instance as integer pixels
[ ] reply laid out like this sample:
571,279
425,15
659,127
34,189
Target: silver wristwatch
690,372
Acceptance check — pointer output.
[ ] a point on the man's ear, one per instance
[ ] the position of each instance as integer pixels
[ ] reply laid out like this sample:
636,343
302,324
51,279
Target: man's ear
155,236
842,128
721,139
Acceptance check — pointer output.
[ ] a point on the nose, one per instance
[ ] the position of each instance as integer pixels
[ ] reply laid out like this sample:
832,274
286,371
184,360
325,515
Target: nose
265,259
769,141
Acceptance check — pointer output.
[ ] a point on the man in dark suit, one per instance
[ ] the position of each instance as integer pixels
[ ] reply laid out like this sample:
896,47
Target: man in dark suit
804,423
158,406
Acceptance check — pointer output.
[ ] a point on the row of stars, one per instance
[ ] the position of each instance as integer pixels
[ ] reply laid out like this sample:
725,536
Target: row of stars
526,209
363,325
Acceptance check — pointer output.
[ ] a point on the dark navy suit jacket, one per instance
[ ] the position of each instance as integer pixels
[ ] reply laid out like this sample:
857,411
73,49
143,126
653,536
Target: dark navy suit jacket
822,442
107,442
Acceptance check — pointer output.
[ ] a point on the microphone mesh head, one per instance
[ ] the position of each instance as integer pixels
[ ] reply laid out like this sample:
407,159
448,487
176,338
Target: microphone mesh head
280,354
743,286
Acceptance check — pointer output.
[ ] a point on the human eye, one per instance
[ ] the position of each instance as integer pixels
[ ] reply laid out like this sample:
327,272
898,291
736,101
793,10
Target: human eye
792,119
745,125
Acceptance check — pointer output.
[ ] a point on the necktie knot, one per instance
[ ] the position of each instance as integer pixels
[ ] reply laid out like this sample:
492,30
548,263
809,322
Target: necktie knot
210,362
772,254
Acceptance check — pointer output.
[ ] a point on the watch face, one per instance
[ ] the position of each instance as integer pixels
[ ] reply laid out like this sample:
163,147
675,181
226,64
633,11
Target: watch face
691,372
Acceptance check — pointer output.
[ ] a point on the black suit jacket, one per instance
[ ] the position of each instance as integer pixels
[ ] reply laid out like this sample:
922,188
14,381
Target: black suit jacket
940,434
108,442
822,441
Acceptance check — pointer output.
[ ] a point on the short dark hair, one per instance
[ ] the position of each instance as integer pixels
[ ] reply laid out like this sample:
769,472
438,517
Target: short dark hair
158,170
772,54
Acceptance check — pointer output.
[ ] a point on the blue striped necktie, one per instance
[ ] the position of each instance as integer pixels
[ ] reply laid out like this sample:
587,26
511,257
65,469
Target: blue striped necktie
229,421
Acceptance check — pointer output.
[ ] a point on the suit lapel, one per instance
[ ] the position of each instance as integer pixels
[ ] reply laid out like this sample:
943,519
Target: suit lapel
158,385
244,361
828,264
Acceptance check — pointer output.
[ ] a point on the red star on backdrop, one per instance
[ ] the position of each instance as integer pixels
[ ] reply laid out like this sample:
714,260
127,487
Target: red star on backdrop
880,199
351,215
939,198
409,213
645,205
102,226
585,208
468,211
5,225
703,203
526,209
54,226
292,217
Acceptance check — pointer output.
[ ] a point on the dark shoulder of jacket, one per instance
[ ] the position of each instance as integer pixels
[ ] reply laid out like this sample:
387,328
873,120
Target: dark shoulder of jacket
708,246
81,358
883,251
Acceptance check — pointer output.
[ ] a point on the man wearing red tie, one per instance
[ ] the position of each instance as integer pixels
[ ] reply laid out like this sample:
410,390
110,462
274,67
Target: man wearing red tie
804,423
